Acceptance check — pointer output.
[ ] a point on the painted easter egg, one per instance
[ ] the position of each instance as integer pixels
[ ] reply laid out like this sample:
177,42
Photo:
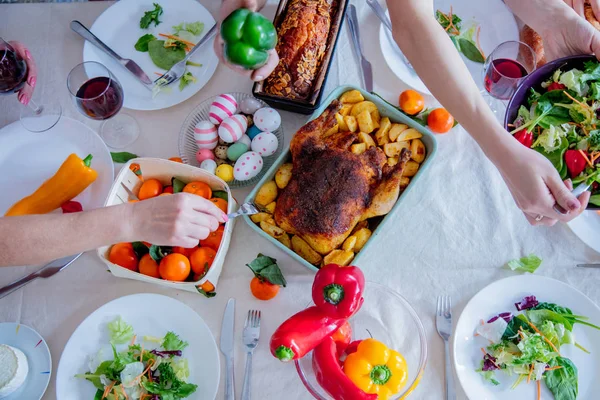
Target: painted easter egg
224,106
204,154
225,172
253,131
209,166
232,129
267,119
265,144
205,134
236,150
246,140
247,166
250,105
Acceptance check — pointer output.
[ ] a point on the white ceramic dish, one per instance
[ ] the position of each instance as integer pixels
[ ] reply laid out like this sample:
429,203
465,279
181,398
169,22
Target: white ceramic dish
29,159
149,314
119,28
38,356
499,297
586,227
497,25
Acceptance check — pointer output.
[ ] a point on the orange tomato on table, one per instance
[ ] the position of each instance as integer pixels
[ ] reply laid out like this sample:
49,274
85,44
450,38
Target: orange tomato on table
201,259
198,188
214,239
263,289
440,120
149,189
148,266
411,102
174,267
122,254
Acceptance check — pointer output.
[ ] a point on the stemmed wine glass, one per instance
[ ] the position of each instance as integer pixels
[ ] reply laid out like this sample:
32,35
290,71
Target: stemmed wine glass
13,75
503,71
98,95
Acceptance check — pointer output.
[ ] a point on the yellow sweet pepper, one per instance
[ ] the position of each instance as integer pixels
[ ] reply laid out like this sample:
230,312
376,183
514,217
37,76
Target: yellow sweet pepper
375,369
72,178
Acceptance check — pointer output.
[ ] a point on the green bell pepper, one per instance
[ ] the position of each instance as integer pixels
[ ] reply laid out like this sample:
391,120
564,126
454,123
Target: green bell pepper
248,37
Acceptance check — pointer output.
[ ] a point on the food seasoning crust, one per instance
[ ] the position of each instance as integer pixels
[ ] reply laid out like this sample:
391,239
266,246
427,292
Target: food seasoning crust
589,15
303,37
533,40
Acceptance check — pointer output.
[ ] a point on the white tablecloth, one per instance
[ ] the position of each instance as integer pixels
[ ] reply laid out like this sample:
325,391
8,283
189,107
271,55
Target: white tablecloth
458,227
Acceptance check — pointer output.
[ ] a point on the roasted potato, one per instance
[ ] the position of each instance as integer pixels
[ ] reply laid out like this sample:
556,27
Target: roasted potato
345,110
333,130
283,175
409,134
393,161
396,130
382,134
352,96
394,149
359,226
271,207
272,230
285,240
304,250
340,120
366,139
362,236
404,181
270,220
359,108
417,150
349,243
376,117
411,168
261,216
365,122
351,123
358,148
266,194
339,257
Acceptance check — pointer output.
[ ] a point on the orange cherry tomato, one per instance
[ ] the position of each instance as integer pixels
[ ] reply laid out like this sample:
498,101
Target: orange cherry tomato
185,251
221,203
122,254
148,266
201,259
411,102
174,267
168,189
263,290
440,120
198,188
176,159
214,239
150,188
206,286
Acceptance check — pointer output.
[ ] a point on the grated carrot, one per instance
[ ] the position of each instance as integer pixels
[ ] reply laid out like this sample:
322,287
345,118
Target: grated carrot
483,351
150,362
575,100
475,334
553,368
115,392
107,389
539,390
544,337
158,73
142,353
133,340
530,372
477,41
586,158
178,39
124,394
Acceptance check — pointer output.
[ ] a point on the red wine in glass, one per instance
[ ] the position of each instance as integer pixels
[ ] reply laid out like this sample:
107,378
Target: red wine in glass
100,98
13,72
503,76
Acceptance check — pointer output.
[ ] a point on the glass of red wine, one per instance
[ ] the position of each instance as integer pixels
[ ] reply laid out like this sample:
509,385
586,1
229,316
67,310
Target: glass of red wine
99,96
13,75
503,71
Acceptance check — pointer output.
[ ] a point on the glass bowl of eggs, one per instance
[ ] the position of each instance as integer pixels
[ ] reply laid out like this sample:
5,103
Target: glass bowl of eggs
234,136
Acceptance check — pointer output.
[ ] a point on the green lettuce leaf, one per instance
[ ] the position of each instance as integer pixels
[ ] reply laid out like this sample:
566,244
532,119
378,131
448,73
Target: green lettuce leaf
525,264
172,342
120,331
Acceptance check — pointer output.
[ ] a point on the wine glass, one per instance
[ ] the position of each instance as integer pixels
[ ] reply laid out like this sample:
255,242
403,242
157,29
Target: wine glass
98,95
13,75
503,71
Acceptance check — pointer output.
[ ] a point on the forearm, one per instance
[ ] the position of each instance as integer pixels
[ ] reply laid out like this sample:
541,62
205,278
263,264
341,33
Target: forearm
35,239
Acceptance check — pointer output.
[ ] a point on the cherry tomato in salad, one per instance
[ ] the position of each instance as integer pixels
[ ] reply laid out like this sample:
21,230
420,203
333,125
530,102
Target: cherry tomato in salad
411,102
440,120
556,86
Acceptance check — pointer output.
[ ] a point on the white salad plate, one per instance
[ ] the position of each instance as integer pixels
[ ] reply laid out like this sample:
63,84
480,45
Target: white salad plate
500,297
28,159
38,356
119,28
150,315
587,227
497,23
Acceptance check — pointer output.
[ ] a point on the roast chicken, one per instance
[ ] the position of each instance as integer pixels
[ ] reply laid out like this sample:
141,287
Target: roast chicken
333,189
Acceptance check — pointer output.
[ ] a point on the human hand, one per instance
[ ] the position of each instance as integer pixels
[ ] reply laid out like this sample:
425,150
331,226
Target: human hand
181,219
227,8
24,94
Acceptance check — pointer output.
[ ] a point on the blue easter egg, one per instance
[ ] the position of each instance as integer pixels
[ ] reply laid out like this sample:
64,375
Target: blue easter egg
253,131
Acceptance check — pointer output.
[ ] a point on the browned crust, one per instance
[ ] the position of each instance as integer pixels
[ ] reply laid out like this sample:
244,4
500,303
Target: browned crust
589,15
533,40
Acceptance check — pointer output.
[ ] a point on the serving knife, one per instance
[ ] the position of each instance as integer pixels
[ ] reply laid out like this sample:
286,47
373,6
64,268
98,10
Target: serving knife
589,265
130,65
365,65
226,345
48,270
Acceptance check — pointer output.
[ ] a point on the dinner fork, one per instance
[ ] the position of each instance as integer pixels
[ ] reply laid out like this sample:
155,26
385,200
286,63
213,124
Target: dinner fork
250,337
246,209
443,322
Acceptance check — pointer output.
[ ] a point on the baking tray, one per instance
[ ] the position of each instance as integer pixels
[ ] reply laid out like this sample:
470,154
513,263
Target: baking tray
306,106
375,224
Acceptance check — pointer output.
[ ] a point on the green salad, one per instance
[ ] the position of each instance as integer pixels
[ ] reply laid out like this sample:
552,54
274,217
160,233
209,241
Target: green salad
561,121
528,346
150,369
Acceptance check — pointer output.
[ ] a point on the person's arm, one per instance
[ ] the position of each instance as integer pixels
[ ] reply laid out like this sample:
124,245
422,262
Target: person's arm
532,180
177,220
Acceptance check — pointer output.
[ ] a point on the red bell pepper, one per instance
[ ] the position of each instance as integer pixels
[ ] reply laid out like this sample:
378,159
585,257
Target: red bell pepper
330,375
575,162
342,337
352,347
302,332
524,137
556,86
71,207
338,290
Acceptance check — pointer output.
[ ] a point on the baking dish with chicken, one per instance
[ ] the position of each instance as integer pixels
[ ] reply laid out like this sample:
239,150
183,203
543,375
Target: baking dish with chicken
344,175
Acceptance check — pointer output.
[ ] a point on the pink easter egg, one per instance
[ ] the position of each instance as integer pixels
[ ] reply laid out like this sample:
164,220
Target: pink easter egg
224,106
206,136
232,129
204,154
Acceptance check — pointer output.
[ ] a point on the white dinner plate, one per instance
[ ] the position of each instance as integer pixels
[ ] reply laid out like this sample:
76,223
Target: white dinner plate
28,159
150,315
499,297
119,28
587,228
497,25
38,356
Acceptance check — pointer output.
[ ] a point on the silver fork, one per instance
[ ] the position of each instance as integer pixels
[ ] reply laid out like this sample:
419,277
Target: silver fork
251,334
246,209
443,322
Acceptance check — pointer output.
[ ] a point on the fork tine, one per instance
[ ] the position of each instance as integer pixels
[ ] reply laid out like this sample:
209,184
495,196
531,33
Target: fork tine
449,303
439,305
248,319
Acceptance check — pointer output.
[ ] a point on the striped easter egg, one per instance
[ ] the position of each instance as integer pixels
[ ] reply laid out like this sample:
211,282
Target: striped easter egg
206,136
232,129
224,106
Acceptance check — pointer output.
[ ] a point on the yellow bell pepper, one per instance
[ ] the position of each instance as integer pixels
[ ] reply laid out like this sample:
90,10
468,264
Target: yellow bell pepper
72,178
375,369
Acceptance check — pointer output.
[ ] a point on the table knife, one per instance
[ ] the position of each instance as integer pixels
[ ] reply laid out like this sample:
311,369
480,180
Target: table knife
227,333
589,265
365,66
46,271
385,20
578,191
130,65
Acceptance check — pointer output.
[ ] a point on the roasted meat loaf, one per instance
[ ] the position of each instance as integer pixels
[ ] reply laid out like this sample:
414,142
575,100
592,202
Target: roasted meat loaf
303,38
